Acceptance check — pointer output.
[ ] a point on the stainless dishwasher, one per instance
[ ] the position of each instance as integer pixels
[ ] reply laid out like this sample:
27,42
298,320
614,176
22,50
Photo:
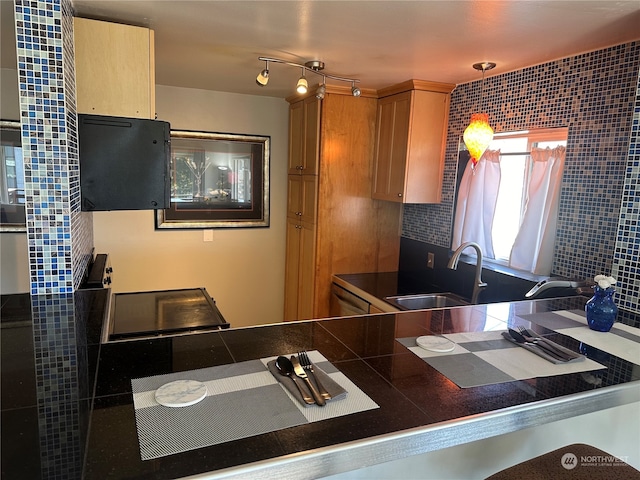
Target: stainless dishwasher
346,304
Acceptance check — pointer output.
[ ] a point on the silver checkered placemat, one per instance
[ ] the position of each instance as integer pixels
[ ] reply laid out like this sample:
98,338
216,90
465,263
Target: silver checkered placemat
622,340
485,358
244,399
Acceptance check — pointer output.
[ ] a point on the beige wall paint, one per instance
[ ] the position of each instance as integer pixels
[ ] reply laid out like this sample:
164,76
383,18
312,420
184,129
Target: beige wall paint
14,261
9,100
242,268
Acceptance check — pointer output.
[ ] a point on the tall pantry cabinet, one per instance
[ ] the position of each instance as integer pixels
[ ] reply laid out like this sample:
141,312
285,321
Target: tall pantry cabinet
333,224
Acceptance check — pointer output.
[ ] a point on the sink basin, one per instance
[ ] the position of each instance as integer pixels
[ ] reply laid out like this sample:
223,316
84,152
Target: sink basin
426,300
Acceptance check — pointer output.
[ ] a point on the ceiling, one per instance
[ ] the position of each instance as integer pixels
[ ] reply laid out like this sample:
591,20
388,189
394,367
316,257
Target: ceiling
215,45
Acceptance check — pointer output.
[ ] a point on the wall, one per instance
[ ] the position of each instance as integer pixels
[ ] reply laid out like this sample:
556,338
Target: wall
593,94
14,274
59,234
242,268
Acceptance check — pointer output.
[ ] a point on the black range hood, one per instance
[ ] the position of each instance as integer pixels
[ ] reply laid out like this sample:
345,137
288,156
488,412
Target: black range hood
124,163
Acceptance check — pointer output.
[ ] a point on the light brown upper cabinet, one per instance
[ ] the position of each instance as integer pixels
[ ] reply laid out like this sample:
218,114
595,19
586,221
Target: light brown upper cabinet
115,69
304,121
411,131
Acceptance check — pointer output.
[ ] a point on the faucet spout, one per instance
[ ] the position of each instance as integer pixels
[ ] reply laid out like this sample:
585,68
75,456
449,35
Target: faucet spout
453,265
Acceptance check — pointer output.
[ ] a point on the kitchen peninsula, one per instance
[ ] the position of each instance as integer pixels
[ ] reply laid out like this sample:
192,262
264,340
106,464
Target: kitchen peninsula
82,432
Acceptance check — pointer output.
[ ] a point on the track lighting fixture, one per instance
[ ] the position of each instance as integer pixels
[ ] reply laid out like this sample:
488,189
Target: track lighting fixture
355,91
313,66
302,85
263,77
322,89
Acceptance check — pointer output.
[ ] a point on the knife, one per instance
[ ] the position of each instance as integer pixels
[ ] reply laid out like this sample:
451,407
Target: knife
518,337
532,337
299,371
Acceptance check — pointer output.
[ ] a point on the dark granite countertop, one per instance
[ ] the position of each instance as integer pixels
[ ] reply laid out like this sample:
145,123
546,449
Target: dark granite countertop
55,424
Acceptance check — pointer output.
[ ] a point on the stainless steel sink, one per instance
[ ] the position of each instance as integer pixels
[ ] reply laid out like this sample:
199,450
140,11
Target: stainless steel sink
426,300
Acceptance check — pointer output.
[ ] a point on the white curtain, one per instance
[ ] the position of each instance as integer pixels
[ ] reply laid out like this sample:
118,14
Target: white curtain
533,248
477,197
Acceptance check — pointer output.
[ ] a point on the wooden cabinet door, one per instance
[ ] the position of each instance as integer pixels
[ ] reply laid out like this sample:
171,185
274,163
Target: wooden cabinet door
304,137
115,69
292,269
302,201
296,137
410,146
311,136
427,142
309,199
394,115
307,279
299,271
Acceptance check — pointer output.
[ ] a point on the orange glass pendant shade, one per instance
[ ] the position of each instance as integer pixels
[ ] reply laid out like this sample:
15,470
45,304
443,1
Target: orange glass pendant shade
478,135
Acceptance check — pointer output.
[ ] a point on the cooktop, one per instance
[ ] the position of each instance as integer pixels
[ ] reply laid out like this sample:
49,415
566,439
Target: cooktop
164,312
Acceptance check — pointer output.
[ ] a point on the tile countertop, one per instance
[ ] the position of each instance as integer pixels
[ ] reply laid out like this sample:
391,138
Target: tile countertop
420,409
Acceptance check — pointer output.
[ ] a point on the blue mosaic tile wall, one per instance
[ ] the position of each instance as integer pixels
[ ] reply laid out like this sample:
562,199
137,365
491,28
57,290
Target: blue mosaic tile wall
626,258
59,235
593,94
60,365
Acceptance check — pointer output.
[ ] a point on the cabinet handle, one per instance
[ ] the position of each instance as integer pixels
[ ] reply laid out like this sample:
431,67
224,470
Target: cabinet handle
299,167
299,214
399,194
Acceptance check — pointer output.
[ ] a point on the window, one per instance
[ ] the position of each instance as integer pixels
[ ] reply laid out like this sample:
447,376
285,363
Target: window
508,203
515,170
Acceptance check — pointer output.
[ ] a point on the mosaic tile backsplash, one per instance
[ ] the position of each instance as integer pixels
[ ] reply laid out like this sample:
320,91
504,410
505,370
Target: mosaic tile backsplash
60,365
596,95
59,235
626,258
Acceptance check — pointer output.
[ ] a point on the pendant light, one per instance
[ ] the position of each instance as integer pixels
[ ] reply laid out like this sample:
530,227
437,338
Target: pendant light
478,135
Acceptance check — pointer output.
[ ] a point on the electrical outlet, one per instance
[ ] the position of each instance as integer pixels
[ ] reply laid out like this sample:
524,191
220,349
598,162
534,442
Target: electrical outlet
430,260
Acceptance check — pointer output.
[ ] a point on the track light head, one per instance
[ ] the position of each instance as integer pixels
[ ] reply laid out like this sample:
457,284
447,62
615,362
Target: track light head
302,85
355,91
263,78
322,89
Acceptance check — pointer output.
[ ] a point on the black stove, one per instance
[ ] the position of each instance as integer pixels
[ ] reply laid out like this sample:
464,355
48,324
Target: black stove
159,313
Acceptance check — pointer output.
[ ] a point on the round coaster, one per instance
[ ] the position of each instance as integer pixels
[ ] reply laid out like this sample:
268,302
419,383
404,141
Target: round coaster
181,393
435,344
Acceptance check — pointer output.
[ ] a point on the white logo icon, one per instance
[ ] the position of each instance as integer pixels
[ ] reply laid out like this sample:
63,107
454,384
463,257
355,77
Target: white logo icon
569,461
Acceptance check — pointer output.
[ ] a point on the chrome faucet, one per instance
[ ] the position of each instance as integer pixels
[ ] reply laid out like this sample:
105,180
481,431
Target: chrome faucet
453,264
548,283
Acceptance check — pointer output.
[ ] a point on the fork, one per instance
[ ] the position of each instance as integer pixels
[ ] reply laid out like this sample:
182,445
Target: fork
529,336
307,365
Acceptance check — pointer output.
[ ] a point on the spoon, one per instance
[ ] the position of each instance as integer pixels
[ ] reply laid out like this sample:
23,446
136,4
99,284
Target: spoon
518,337
285,367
